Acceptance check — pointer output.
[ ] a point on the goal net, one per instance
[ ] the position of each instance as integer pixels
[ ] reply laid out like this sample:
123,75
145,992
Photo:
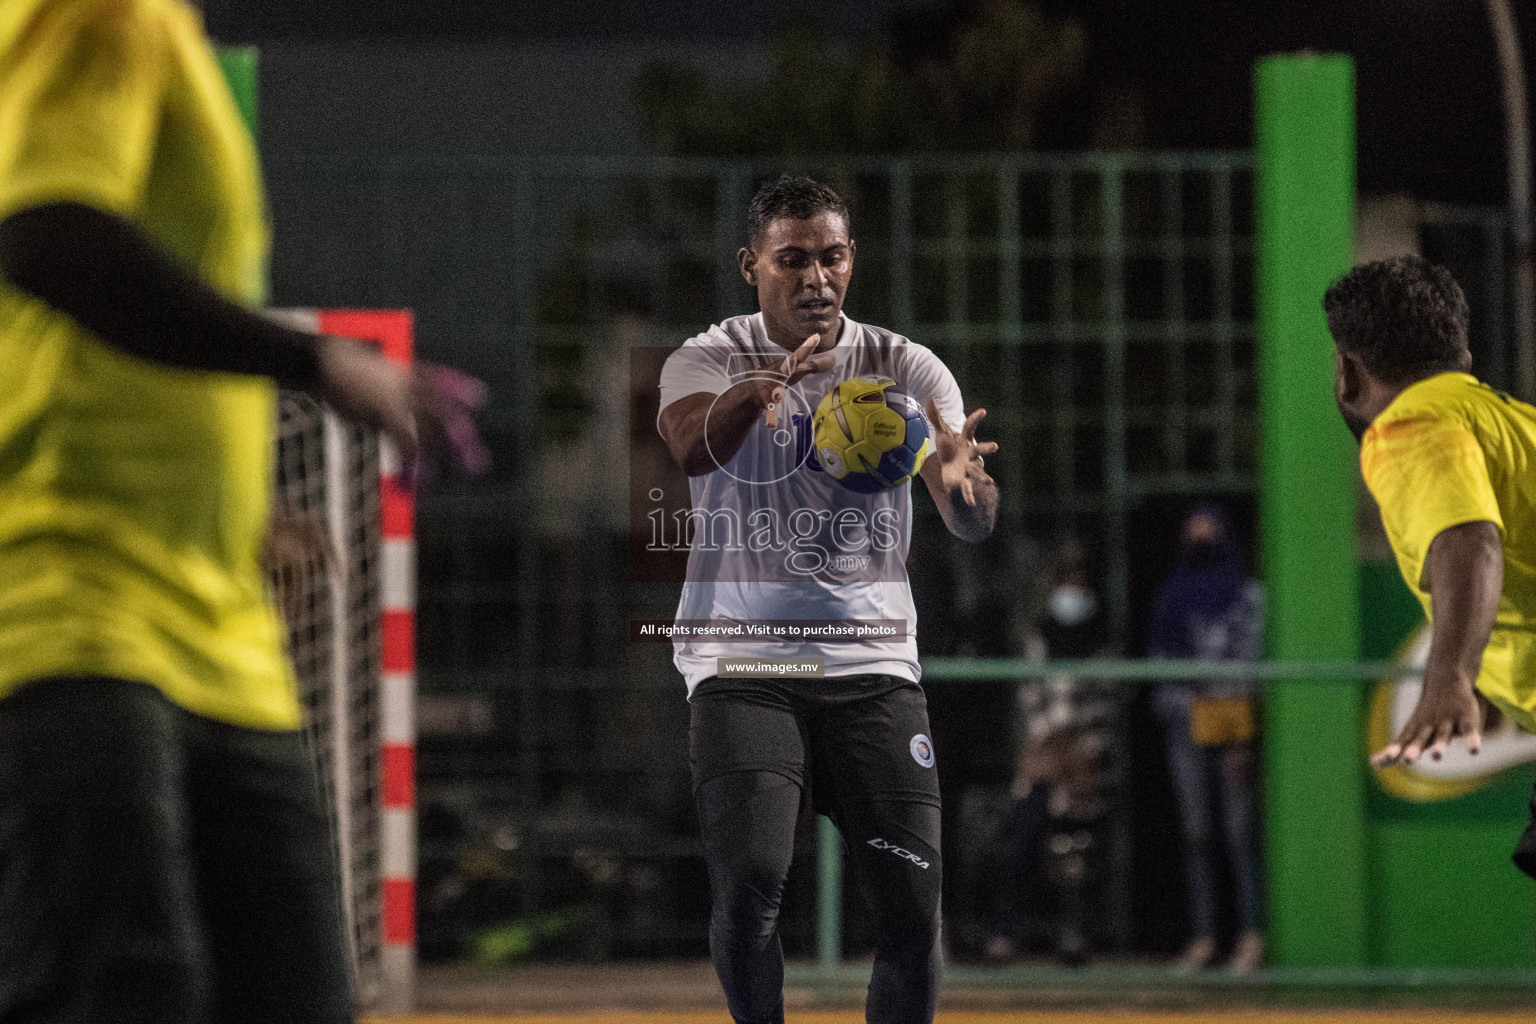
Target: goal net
333,635
330,475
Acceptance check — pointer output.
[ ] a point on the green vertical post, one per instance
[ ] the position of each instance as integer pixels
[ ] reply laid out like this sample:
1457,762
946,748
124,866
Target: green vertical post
1315,776
829,895
239,64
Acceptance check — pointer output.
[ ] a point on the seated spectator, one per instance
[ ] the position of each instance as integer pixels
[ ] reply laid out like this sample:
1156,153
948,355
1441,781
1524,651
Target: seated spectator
1059,803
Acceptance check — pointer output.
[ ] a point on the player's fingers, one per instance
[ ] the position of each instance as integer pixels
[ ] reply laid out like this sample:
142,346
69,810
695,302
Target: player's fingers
403,434
967,490
774,398
324,550
821,364
446,430
1441,740
1467,726
454,386
1416,743
986,448
968,431
940,428
465,445
1387,755
803,353
1471,726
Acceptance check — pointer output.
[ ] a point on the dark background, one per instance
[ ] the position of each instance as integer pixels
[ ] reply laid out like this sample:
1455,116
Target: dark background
1429,110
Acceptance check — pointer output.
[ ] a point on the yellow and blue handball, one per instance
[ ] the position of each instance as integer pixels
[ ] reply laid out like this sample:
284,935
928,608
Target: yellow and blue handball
870,435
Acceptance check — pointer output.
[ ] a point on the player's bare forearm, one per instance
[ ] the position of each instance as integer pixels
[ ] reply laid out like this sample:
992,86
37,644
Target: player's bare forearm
970,522
957,478
727,417
1464,573
704,431
973,523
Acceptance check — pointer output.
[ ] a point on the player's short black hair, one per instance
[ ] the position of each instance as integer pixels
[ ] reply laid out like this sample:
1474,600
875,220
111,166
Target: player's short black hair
792,195
1405,318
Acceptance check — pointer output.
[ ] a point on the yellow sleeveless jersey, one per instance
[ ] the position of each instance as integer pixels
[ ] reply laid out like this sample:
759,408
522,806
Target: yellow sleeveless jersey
133,498
1452,450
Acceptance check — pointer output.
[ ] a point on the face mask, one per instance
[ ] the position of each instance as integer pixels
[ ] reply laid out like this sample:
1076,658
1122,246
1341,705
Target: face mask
1072,606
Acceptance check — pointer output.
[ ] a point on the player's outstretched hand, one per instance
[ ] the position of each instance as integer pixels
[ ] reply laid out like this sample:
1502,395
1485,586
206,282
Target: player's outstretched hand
427,413
796,366
956,451
1443,712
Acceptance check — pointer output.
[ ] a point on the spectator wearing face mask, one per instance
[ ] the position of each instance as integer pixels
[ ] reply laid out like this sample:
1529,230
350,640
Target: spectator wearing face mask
1073,624
1208,608
1058,789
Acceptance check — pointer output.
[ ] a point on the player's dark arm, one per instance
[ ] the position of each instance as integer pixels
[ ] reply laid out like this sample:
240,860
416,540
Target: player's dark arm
728,417
117,283
120,285
1464,573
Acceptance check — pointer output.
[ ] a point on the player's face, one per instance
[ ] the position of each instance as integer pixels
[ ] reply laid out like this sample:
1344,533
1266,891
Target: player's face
801,270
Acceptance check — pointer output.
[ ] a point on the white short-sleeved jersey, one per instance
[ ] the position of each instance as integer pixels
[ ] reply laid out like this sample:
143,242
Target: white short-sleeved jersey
775,538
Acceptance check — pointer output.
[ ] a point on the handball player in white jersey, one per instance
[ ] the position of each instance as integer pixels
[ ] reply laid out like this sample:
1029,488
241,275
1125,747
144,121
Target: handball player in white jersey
777,540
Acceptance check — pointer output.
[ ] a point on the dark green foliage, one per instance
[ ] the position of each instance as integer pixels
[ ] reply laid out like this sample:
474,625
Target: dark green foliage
981,88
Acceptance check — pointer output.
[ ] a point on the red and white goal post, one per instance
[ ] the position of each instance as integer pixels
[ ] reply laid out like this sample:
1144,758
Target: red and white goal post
353,638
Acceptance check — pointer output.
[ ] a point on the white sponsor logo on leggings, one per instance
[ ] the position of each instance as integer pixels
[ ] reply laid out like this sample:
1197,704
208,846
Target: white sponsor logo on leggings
881,844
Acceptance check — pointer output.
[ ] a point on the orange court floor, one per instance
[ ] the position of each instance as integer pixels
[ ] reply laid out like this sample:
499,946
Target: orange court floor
1106,1016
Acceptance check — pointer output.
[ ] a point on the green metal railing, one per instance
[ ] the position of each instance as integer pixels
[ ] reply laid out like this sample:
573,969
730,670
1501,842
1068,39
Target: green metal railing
1162,669
830,969
1098,304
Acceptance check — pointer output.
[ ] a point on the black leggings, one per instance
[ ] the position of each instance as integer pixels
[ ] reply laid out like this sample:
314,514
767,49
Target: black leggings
747,817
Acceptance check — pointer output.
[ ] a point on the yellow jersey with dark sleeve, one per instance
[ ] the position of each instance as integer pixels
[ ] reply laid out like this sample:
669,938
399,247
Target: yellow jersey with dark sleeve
1452,450
133,497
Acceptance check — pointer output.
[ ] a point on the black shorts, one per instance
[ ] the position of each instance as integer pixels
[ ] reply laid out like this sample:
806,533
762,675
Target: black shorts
157,866
848,739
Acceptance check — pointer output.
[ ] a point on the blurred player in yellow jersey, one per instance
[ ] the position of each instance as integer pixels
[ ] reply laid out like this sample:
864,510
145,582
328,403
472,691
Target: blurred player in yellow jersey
163,854
1452,463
